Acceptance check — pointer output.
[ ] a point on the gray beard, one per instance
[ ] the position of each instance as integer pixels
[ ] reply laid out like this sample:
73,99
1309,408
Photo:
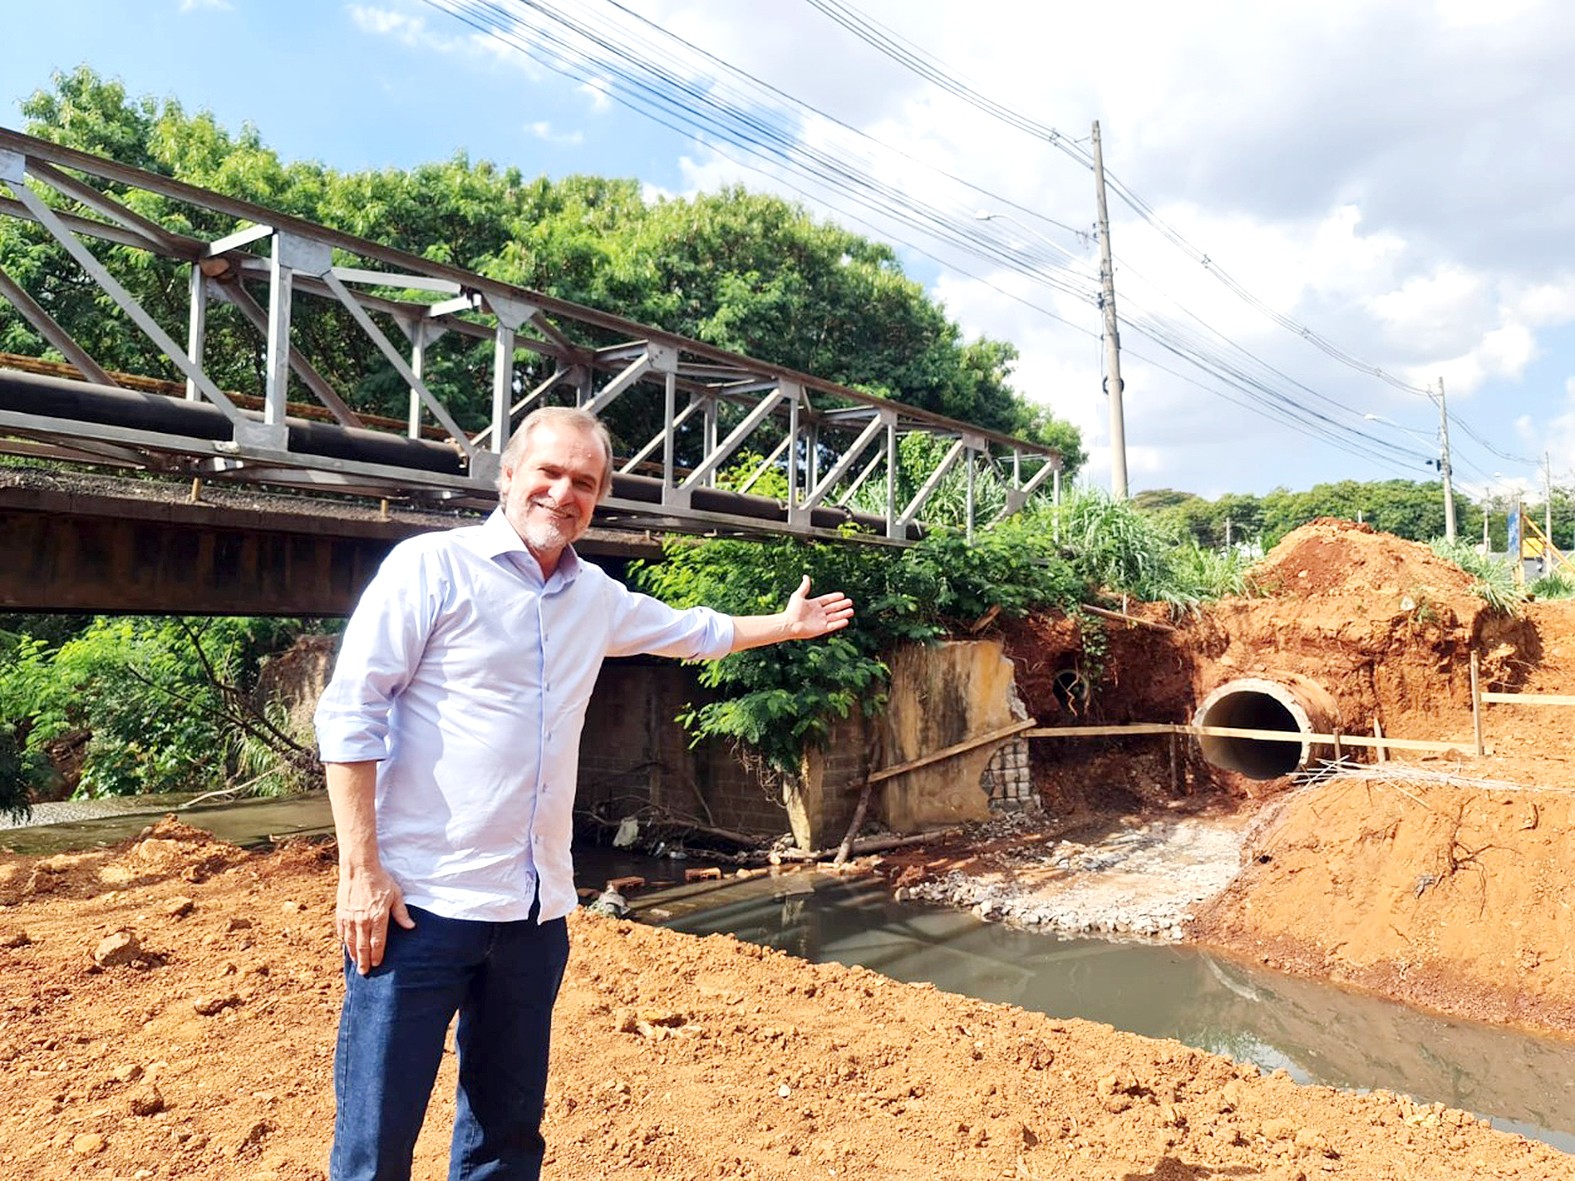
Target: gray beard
546,535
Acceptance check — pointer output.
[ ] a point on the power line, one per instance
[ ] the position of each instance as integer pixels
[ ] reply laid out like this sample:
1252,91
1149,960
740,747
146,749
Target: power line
729,108
745,112
930,68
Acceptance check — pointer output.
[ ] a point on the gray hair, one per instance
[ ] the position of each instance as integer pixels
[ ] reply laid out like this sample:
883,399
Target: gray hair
564,417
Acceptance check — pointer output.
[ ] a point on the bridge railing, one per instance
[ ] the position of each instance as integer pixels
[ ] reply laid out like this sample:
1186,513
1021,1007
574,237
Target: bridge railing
683,411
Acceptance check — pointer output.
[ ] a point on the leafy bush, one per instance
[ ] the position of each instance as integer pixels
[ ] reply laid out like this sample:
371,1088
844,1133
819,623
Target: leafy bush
783,700
159,698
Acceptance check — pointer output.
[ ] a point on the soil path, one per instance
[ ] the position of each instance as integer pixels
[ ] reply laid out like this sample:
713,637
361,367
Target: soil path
199,1045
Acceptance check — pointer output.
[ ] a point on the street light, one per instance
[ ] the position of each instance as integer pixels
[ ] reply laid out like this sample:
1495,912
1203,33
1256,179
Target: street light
991,215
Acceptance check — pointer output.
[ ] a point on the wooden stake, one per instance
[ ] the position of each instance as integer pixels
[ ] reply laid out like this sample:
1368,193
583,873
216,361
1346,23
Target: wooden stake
858,821
196,490
1122,617
1380,752
1476,701
955,749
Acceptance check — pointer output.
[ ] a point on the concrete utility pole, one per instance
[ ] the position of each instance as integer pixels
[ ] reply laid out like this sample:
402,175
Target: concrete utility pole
1107,301
1547,514
1444,468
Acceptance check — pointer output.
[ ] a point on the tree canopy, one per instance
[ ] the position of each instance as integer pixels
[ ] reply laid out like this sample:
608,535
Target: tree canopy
1406,508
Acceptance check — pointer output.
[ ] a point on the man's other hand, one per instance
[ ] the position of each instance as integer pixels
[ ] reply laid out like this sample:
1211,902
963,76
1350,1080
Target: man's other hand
367,898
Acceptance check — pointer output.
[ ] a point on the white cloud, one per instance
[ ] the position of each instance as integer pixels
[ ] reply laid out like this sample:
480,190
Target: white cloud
213,5
599,91
413,31
542,130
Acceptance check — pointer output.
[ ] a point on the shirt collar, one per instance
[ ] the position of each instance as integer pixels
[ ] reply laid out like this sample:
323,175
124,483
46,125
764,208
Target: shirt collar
497,538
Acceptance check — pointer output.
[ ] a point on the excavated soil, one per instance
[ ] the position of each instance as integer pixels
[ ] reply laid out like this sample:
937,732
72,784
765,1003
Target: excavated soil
1438,878
167,1007
167,1010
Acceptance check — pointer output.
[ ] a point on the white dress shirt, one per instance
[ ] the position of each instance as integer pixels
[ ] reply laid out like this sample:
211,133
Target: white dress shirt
467,676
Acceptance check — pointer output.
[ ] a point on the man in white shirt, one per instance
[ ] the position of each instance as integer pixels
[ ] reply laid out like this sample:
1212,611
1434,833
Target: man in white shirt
451,732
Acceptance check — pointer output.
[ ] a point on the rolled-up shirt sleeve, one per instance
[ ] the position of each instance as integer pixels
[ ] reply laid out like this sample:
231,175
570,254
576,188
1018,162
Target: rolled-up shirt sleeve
378,654
642,624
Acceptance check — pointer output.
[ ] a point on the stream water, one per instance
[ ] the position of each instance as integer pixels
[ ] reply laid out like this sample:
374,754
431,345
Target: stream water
1317,1032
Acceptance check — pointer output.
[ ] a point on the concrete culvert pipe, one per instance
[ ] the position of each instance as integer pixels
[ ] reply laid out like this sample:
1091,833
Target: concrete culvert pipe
1293,704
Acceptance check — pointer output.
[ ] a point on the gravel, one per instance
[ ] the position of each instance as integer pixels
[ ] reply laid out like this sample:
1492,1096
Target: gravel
1142,881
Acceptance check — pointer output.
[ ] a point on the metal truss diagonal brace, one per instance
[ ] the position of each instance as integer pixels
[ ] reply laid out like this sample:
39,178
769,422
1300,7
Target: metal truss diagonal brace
241,299
730,444
869,470
126,301
765,464
849,458
483,437
609,392
660,437
50,330
375,334
906,517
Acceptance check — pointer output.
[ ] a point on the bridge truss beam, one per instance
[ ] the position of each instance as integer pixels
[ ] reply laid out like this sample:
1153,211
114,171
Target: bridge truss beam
683,412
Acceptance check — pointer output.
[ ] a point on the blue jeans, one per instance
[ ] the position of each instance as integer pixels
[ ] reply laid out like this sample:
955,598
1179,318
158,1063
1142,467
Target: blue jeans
502,980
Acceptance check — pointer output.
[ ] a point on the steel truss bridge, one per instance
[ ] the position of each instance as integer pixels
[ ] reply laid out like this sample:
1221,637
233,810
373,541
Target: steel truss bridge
681,410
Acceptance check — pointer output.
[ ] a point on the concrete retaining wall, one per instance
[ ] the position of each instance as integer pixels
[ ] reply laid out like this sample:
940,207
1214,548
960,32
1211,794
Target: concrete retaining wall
634,755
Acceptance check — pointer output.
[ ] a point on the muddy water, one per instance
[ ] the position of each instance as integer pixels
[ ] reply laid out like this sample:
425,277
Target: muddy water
1316,1032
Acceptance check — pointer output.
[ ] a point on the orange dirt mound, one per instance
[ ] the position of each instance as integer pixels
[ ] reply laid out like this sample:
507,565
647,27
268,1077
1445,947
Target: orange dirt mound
1332,557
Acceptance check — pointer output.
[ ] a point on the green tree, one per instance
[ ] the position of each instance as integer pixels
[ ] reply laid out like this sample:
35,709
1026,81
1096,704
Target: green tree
1402,507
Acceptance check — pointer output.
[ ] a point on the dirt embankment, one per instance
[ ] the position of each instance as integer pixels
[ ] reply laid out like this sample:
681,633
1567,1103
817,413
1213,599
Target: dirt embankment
167,1011
1452,897
1436,878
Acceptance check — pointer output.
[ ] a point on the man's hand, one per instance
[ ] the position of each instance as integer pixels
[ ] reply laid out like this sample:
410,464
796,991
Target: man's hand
807,618
366,900
803,618
367,894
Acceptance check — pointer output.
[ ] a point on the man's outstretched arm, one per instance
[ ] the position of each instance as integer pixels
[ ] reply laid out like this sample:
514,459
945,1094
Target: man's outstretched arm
804,618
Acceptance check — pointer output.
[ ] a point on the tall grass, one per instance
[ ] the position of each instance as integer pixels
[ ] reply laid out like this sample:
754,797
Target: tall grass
1557,585
1119,550
1492,581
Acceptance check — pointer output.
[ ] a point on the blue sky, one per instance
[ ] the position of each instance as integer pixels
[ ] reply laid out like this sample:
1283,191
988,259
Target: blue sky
1388,179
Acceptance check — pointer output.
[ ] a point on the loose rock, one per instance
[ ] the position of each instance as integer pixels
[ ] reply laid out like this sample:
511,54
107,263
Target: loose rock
118,949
